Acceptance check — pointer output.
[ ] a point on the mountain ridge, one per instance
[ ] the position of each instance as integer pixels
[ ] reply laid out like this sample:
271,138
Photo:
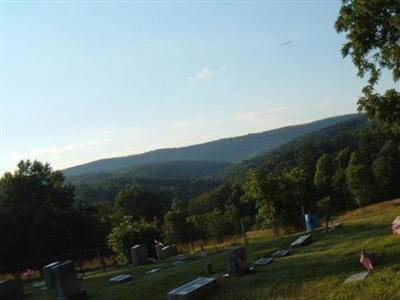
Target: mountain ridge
229,150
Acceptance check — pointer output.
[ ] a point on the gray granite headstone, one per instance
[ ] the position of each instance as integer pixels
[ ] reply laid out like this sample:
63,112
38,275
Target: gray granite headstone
357,277
264,261
197,289
169,251
280,253
302,241
47,274
236,261
11,290
120,278
159,253
139,255
66,282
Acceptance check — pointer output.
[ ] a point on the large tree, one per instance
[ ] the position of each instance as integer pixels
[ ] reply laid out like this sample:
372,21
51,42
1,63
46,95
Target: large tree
372,29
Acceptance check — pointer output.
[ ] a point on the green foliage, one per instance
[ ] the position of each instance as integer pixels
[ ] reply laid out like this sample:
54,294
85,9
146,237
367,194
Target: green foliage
358,179
323,174
129,233
37,217
386,169
175,226
138,203
373,42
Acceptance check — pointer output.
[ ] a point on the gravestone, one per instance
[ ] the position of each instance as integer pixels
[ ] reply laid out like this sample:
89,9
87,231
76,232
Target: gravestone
120,278
66,283
264,261
169,251
47,274
280,253
237,262
302,241
159,253
139,255
152,271
357,277
11,290
197,289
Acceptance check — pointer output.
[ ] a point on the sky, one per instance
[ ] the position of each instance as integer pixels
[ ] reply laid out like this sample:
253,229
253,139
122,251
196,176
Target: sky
85,80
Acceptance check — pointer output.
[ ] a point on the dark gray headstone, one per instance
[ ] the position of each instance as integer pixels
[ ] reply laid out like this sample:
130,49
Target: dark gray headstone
356,277
264,261
237,261
159,251
66,282
11,290
47,274
139,255
197,289
302,241
169,251
280,253
120,278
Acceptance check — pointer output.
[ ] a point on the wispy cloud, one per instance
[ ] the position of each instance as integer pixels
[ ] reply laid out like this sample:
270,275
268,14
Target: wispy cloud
51,153
261,115
206,73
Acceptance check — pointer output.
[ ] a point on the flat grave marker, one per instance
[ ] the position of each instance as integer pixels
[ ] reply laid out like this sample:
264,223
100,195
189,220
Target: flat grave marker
120,278
264,261
197,289
280,253
152,271
357,277
302,241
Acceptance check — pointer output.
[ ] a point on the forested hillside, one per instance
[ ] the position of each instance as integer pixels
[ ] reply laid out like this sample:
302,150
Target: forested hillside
231,150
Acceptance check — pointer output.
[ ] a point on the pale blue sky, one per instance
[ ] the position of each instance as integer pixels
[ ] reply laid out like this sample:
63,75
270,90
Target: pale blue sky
89,80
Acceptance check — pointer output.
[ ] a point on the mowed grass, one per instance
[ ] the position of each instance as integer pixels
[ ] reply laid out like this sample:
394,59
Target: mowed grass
313,272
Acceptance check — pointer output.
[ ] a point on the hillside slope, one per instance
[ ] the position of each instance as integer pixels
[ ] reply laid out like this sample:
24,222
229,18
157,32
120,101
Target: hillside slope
230,150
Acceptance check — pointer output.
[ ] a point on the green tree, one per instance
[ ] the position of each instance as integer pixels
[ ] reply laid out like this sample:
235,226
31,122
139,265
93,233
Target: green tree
129,233
175,226
386,169
138,203
325,169
358,179
373,42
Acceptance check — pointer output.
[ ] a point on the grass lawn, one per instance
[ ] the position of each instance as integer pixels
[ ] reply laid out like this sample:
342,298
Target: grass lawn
313,272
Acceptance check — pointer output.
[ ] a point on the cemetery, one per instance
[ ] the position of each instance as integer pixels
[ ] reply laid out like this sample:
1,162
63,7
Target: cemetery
329,265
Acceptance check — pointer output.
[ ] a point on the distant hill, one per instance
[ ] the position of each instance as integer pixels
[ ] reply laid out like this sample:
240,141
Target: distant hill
229,150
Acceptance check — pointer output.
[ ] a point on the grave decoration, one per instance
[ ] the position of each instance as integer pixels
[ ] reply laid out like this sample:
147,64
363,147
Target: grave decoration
47,274
237,262
139,255
280,253
264,261
356,277
197,289
302,241
66,283
120,278
396,226
11,290
367,259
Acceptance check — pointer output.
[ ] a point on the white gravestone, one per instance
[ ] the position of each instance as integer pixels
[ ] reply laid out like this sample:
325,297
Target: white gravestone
280,253
264,261
357,277
120,278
